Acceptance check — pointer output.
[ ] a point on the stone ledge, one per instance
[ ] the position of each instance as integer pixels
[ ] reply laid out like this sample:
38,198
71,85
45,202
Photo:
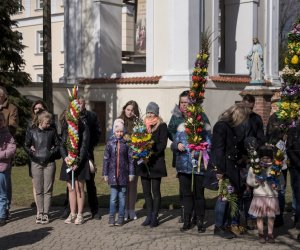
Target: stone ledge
123,80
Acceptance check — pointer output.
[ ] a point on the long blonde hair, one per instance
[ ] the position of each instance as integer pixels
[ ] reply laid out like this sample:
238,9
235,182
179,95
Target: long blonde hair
235,115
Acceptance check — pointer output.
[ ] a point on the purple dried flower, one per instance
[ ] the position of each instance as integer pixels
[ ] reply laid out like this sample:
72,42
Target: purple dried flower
230,189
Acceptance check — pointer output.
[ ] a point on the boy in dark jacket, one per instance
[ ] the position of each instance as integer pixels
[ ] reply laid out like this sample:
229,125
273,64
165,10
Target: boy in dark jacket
118,168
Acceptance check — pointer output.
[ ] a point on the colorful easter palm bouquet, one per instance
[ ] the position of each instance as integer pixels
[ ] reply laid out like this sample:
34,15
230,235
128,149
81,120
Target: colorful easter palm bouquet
141,143
275,172
194,122
290,90
72,117
251,145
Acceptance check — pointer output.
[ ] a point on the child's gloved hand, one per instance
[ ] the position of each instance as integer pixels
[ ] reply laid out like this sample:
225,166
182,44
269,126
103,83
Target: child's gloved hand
131,178
105,178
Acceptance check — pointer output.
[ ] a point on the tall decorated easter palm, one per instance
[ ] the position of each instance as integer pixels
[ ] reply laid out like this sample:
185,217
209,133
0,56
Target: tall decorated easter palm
73,131
195,119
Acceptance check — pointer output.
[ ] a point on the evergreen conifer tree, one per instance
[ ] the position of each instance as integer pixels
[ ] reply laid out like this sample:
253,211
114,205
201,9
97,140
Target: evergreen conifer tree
11,70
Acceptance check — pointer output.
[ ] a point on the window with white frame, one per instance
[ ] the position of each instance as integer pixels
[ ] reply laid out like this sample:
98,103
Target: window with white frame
39,42
39,4
39,78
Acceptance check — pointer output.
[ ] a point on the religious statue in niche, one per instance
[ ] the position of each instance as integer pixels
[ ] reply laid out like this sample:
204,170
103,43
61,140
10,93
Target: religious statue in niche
255,63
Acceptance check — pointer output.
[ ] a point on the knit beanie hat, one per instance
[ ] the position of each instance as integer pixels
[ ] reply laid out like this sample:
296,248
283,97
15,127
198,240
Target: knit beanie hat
118,125
153,108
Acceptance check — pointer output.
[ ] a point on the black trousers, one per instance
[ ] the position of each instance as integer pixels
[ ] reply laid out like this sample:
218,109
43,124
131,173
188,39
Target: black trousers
192,197
151,190
92,194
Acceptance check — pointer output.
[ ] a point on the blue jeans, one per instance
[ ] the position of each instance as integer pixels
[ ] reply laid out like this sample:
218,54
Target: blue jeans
221,213
3,195
9,186
117,194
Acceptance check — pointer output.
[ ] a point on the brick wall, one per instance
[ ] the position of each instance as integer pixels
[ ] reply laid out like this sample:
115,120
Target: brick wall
262,102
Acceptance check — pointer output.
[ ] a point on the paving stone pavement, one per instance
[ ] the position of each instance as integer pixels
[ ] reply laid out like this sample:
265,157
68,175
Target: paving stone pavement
22,233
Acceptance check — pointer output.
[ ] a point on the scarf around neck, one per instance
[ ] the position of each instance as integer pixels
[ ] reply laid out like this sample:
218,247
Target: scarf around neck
149,122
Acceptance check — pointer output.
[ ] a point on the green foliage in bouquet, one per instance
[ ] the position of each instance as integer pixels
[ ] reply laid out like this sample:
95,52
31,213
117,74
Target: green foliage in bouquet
227,193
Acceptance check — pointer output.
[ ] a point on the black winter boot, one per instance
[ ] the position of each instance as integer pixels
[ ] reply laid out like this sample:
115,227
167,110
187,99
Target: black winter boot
181,215
154,220
200,225
147,220
186,223
194,220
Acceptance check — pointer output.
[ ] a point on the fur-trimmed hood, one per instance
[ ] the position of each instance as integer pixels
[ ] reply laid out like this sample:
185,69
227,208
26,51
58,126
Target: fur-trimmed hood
176,111
181,127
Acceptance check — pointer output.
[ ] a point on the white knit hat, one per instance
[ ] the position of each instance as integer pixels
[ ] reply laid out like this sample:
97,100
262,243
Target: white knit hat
118,125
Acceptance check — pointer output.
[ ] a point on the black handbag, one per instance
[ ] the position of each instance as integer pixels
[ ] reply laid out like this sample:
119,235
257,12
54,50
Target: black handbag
210,179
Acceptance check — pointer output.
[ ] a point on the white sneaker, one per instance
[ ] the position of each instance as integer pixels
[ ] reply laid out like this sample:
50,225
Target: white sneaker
132,215
71,219
126,215
79,220
45,219
38,219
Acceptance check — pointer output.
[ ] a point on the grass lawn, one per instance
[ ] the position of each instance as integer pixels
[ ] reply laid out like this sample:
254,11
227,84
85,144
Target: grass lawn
22,186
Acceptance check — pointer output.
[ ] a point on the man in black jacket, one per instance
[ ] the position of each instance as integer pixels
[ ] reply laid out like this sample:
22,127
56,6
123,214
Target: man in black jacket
92,121
254,126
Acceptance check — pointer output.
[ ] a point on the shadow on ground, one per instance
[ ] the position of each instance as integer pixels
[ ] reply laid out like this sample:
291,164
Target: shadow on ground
24,238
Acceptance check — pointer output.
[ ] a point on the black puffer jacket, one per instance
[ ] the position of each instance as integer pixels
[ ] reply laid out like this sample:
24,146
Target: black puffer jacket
45,142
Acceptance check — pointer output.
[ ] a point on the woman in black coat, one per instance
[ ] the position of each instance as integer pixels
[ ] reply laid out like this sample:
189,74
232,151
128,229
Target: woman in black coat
154,168
224,155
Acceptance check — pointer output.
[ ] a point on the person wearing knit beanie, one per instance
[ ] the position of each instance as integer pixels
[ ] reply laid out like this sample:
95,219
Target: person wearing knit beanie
118,170
118,125
152,108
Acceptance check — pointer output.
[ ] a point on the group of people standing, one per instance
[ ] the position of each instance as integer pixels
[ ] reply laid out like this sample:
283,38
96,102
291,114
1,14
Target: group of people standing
237,130
228,145
44,146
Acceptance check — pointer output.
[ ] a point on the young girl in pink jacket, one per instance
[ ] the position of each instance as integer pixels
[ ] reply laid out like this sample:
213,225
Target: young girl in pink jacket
7,152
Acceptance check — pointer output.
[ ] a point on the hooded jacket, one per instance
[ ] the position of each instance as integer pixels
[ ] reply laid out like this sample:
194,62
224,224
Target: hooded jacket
112,156
176,119
185,160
